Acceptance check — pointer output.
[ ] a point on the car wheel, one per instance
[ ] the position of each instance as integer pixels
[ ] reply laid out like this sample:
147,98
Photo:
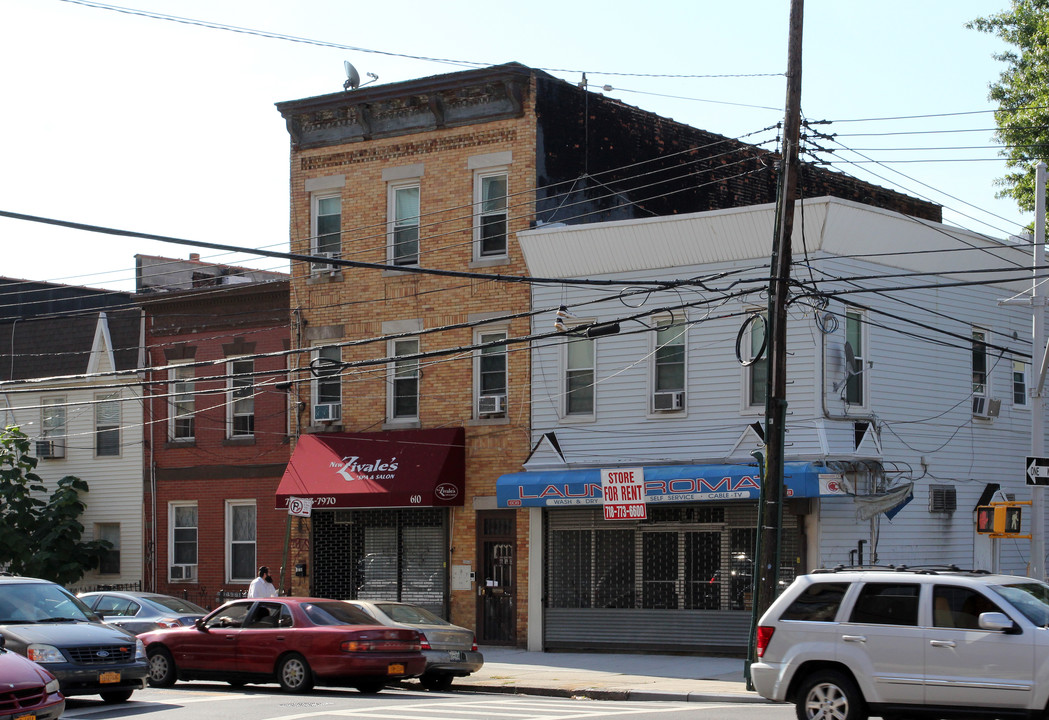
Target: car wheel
830,695
294,674
370,686
116,696
436,681
161,668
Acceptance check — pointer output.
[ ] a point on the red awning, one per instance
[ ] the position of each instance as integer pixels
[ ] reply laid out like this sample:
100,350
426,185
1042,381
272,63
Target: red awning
399,468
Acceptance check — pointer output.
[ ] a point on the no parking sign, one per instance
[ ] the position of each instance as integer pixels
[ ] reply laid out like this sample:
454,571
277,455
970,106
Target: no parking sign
300,507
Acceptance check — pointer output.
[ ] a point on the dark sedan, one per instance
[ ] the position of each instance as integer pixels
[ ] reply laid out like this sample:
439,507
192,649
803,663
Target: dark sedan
26,689
139,612
297,642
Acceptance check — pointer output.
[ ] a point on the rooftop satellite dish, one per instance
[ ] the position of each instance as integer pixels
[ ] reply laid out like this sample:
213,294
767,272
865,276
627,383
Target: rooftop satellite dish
353,78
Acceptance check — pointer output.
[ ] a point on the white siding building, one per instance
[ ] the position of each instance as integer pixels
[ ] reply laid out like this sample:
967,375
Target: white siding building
886,462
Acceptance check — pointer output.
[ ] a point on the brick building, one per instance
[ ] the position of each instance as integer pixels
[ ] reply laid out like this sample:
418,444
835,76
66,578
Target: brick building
216,424
408,197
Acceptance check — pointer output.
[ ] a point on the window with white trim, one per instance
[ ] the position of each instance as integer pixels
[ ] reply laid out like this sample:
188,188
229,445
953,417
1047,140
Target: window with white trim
403,395
326,228
490,369
403,230
240,531
668,366
855,329
758,371
182,541
326,386
182,403
490,213
53,428
107,426
109,564
240,398
1020,383
979,362
579,376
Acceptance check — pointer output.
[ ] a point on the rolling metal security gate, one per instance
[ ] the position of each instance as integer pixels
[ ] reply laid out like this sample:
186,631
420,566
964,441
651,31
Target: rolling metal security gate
680,580
396,554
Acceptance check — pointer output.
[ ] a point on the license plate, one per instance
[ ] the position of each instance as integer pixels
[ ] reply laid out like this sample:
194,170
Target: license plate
456,655
109,677
395,669
27,716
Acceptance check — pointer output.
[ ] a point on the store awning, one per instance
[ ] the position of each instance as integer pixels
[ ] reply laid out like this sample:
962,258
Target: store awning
399,468
663,484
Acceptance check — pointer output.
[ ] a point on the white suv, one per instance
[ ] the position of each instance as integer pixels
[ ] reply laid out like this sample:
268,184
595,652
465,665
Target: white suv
843,644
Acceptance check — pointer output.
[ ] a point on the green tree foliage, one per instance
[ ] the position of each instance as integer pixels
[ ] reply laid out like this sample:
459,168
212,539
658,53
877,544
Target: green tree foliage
41,538
1022,94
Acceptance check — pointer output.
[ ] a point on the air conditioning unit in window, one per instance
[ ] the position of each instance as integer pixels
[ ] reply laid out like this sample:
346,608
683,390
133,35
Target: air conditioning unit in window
183,572
320,266
491,404
327,412
985,407
50,449
667,401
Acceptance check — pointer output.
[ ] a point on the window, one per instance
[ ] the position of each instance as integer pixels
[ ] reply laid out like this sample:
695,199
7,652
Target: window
758,371
959,607
1019,383
490,221
404,224
979,347
240,529
669,366
819,603
110,562
183,541
327,384
854,325
579,376
181,403
54,418
327,225
887,604
241,398
404,380
491,374
107,426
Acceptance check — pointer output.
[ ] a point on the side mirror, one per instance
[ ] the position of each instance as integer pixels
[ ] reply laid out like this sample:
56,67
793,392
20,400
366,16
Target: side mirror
997,621
199,625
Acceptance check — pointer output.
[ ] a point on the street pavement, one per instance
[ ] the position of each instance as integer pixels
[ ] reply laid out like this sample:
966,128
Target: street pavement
609,676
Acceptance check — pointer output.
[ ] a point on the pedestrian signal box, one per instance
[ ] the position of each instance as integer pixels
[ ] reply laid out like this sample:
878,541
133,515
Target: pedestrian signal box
998,520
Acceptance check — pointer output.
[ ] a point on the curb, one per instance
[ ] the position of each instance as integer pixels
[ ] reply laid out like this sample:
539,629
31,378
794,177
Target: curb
597,694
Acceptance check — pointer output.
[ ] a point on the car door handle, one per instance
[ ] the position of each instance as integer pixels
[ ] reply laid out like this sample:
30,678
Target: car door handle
942,643
854,638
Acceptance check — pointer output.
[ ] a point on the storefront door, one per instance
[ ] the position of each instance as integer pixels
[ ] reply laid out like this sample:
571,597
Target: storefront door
496,581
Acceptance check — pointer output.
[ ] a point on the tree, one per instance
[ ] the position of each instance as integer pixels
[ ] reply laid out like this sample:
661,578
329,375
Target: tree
1022,94
38,537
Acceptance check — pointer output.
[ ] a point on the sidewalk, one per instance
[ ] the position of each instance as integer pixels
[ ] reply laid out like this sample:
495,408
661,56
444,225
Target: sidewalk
601,676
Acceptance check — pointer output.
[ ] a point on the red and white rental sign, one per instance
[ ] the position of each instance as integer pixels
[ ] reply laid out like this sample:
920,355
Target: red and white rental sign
623,490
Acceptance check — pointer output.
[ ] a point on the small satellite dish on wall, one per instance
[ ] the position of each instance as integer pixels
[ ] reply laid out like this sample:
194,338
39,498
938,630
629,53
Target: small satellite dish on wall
353,78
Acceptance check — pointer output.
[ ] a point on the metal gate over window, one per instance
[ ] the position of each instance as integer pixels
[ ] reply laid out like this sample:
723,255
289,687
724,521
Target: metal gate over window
394,554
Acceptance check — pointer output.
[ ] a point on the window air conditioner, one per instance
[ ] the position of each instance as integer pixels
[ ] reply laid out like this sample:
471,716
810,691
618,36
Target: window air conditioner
183,572
985,407
491,404
319,266
327,412
49,449
665,401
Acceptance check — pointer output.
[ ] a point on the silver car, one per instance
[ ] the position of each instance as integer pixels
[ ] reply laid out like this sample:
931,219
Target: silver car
139,612
450,650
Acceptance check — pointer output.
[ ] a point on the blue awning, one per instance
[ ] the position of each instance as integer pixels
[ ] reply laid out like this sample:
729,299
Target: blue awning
663,484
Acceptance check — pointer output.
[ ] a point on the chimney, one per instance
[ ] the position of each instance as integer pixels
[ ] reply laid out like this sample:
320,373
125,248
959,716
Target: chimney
194,257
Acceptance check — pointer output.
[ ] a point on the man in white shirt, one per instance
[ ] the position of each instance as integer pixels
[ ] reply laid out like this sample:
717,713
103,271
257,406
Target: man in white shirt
262,586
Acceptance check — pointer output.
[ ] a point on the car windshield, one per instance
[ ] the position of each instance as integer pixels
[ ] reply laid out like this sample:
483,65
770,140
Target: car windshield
410,614
178,605
336,613
1030,598
40,603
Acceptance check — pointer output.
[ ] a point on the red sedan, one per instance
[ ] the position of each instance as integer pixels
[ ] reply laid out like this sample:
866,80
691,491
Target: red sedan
295,641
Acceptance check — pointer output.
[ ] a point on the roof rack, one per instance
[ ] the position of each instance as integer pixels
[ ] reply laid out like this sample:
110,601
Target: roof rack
917,569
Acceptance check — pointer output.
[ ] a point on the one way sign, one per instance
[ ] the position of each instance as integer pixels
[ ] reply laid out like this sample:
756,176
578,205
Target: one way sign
1037,470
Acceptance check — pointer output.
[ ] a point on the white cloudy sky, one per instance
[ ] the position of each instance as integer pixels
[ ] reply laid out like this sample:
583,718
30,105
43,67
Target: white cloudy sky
169,128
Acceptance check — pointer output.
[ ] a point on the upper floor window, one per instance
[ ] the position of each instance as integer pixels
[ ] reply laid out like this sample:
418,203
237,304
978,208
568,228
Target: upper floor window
181,402
404,379
669,366
241,398
326,386
107,426
491,373
53,429
979,362
854,332
758,370
1019,383
579,376
404,224
327,225
490,220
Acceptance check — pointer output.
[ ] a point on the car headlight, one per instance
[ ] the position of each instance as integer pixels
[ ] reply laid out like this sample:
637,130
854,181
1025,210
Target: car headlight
52,687
44,654
140,650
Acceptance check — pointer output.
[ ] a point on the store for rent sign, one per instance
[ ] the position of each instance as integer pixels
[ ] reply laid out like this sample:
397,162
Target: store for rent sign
623,490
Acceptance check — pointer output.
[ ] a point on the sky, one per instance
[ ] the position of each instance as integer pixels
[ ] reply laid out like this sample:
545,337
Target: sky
169,128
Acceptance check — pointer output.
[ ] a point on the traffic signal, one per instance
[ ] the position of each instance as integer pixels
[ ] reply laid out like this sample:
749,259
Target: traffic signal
998,519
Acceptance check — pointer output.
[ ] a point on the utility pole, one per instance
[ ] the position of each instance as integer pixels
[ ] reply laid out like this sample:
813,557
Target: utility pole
770,513
1038,295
